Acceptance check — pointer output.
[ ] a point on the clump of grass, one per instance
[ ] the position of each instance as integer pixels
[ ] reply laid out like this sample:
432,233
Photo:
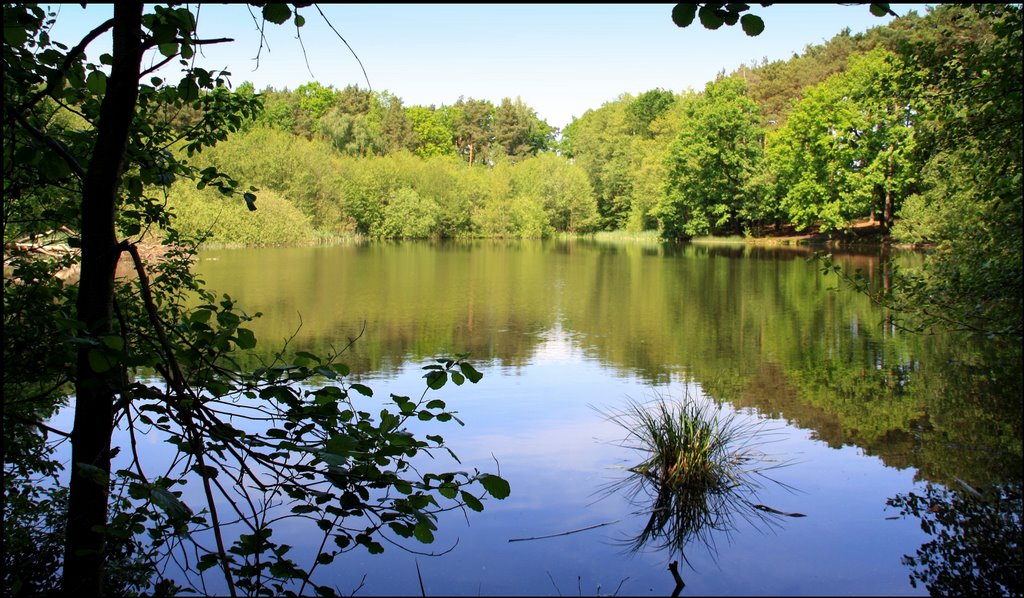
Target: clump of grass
685,447
701,469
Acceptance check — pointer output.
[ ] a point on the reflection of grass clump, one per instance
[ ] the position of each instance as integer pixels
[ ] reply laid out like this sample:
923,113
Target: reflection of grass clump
701,469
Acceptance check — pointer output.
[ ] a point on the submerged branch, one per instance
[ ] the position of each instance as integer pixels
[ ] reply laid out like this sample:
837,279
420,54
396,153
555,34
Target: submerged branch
575,531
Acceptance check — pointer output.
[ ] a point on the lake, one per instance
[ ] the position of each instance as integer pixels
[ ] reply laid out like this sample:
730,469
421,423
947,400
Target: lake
565,331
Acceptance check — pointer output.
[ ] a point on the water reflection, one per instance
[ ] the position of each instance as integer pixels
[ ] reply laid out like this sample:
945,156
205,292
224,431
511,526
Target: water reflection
756,327
975,548
699,476
558,325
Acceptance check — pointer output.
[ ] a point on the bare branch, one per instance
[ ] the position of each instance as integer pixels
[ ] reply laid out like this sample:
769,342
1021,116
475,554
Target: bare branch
329,24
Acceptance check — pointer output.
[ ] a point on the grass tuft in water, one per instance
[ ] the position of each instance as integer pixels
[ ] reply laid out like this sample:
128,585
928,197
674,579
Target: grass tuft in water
700,471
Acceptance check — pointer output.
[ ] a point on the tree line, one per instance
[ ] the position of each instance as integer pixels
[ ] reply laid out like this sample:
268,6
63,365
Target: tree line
913,126
826,138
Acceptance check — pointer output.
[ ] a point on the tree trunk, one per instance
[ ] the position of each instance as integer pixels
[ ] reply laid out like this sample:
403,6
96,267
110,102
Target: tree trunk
90,437
887,210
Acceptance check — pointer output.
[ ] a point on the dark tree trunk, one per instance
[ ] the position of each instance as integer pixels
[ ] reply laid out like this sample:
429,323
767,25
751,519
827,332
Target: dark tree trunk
90,437
888,206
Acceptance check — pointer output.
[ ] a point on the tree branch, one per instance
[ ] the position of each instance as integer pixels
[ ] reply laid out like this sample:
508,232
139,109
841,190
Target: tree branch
329,24
53,144
71,55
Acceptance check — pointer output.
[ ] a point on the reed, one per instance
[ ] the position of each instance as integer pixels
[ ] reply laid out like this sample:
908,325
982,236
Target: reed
700,471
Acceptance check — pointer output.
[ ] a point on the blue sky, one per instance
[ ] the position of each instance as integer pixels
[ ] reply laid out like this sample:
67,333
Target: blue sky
562,60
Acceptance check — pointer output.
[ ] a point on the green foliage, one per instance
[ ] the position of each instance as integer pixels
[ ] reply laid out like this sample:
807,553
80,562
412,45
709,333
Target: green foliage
844,153
598,142
645,108
433,129
407,215
518,132
560,189
473,129
970,205
208,215
302,172
706,190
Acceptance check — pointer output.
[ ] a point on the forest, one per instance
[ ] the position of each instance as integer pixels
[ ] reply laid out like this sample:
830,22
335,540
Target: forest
913,127
910,127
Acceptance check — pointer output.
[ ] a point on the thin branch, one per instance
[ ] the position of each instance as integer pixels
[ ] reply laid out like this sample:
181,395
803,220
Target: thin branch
328,21
135,451
260,25
575,531
305,55
157,66
53,144
38,424
176,378
39,396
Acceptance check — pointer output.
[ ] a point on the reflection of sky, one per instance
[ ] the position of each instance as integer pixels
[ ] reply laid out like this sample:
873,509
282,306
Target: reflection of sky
541,423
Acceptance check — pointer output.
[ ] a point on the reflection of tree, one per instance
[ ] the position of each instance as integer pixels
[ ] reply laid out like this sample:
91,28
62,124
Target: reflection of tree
754,326
976,549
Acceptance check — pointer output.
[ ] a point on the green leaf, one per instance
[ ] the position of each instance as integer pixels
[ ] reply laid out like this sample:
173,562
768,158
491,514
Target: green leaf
423,533
448,490
436,379
472,502
470,373
752,25
246,339
435,404
96,82
879,10
206,561
362,389
169,49
100,362
205,470
94,474
496,486
170,503
401,529
683,14
114,342
188,90
709,18
299,20
276,13
15,35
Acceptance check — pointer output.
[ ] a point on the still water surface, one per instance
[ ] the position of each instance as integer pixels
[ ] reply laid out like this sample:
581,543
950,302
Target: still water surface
563,330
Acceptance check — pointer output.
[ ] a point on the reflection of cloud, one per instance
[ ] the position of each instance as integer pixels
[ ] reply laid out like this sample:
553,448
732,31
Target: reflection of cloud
557,347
